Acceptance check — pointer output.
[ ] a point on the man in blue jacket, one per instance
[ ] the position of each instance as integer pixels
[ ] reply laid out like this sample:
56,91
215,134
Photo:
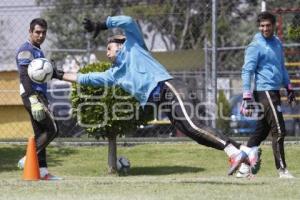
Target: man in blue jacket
264,59
137,72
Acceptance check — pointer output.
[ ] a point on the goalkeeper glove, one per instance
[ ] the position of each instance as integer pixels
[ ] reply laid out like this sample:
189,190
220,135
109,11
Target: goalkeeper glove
290,93
37,108
247,106
95,27
57,73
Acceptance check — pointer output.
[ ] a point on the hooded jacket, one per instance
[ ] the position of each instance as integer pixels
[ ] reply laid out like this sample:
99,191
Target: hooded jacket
264,61
134,69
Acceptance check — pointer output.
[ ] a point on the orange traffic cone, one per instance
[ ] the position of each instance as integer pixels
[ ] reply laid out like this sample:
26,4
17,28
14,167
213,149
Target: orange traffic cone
31,170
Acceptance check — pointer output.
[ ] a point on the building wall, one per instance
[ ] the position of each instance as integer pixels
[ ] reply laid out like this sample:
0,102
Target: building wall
14,119
14,122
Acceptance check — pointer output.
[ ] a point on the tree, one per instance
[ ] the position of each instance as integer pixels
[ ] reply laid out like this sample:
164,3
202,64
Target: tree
65,26
180,22
183,23
107,112
273,4
176,24
294,29
187,23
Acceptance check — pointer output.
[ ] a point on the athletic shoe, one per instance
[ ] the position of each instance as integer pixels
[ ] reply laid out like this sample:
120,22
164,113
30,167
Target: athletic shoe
21,163
45,175
244,171
236,160
50,177
254,159
284,173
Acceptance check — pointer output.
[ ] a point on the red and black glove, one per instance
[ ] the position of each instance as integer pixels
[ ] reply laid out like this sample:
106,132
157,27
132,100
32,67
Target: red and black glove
247,106
290,93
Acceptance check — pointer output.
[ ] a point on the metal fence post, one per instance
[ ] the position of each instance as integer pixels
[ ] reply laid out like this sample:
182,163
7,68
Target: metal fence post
214,62
207,78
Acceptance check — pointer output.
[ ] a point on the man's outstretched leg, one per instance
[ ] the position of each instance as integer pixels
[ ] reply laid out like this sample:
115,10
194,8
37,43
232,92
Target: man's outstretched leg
181,111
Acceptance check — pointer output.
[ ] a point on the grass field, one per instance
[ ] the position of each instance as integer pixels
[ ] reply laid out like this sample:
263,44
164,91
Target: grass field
159,171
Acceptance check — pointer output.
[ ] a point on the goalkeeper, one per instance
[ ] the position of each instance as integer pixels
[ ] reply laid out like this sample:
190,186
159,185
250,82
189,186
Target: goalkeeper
136,71
34,96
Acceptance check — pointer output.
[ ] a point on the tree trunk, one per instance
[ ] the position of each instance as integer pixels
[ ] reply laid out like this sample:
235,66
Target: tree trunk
112,154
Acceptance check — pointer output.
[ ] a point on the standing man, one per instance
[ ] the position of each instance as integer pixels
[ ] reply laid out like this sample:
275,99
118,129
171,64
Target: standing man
34,96
264,59
137,72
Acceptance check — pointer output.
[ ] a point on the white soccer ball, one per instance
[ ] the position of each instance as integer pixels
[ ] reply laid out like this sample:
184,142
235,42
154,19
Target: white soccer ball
244,171
40,70
123,165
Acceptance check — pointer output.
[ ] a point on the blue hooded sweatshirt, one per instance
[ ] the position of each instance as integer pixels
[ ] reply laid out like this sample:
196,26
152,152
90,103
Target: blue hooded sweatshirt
264,59
134,69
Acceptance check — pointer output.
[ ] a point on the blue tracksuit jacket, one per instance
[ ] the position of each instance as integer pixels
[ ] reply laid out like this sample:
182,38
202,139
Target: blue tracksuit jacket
134,70
264,59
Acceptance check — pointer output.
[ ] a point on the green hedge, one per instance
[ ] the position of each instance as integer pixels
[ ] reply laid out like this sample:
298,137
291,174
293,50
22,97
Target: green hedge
294,33
98,106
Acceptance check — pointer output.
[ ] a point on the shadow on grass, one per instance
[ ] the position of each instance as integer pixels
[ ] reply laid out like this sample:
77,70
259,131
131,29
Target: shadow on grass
9,156
56,156
163,170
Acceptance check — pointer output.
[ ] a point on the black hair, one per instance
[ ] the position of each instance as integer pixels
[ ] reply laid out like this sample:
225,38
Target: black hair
120,39
266,16
38,21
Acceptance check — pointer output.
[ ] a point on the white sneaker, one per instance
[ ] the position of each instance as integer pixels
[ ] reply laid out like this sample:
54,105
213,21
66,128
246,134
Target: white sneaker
46,176
21,163
284,173
254,159
50,177
244,171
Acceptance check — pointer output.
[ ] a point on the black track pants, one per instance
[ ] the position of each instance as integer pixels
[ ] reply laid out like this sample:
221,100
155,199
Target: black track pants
44,131
182,111
271,122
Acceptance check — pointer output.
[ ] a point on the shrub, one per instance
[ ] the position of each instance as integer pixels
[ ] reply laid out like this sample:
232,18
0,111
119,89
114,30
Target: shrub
106,112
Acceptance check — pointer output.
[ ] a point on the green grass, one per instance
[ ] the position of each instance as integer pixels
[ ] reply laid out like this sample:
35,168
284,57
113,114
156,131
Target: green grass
159,171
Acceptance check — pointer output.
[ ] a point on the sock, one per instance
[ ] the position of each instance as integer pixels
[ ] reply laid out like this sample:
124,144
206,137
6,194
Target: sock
231,150
43,171
245,149
22,162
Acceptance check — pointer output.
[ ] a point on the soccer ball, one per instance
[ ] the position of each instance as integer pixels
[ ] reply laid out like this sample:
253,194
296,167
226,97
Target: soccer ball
244,171
40,70
123,165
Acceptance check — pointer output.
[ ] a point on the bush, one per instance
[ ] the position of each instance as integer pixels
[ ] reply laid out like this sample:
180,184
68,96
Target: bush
101,112
294,29
294,33
106,112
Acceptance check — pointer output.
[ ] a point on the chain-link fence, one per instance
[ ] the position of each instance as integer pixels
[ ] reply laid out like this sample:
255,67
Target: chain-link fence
178,33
